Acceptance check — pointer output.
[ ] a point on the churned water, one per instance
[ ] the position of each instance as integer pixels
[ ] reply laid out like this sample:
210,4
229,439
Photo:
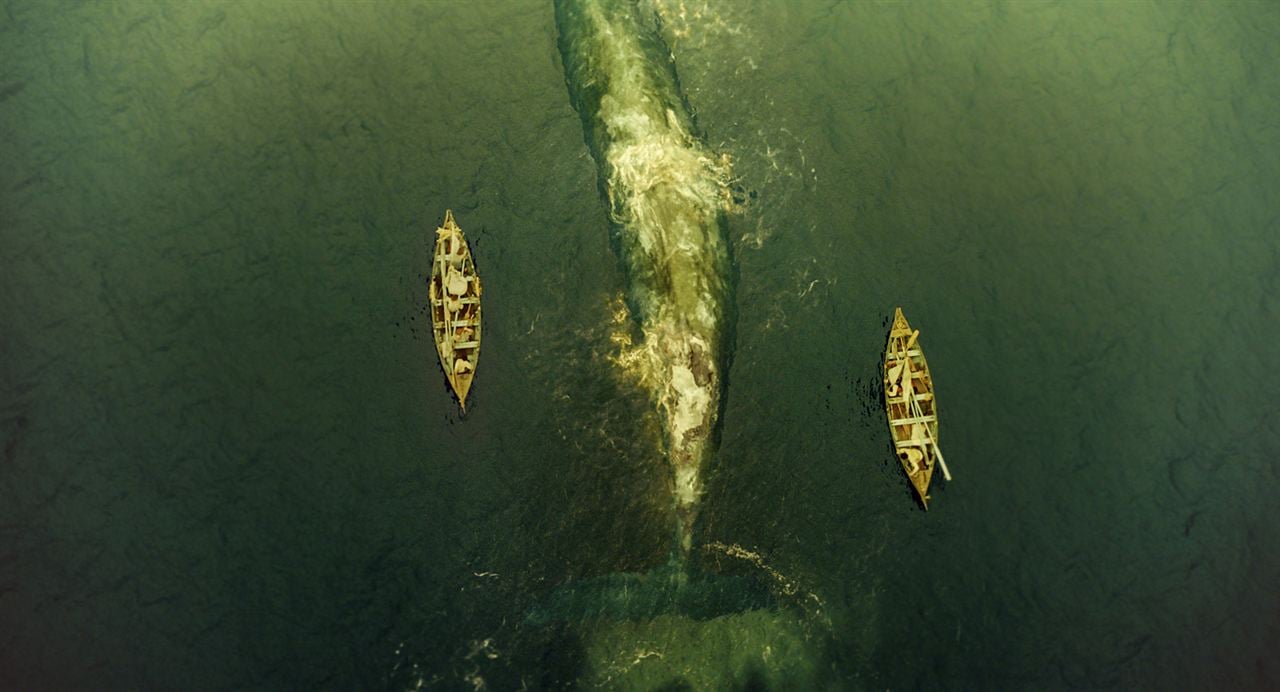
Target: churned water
230,459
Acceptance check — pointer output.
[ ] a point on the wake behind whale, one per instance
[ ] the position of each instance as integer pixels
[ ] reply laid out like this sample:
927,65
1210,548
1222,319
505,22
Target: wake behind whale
667,196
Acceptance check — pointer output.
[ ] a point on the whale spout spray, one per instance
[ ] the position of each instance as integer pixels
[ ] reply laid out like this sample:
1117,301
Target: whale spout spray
667,196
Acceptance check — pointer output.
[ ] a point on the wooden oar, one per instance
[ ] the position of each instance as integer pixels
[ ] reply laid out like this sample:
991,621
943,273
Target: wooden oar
938,450
915,407
915,410
444,302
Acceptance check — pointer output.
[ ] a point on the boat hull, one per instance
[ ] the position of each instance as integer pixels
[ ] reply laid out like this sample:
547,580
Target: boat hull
454,299
911,406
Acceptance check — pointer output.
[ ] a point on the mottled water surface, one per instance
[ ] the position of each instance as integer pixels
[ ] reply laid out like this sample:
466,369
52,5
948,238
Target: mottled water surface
230,459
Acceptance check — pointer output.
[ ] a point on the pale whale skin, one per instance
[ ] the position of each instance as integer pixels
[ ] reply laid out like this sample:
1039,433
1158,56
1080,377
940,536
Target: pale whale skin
666,195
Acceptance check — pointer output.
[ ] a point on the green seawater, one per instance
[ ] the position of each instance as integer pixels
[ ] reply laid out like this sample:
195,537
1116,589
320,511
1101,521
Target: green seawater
229,460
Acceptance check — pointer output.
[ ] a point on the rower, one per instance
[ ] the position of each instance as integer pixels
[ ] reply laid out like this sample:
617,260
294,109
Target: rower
912,457
920,435
455,285
903,366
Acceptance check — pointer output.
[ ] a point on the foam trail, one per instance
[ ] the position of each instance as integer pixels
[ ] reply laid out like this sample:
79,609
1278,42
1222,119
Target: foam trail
667,196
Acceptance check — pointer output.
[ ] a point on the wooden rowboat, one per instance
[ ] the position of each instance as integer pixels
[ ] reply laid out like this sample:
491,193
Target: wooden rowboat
912,409
454,291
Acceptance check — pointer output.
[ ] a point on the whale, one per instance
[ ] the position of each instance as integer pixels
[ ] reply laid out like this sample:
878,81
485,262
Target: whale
667,194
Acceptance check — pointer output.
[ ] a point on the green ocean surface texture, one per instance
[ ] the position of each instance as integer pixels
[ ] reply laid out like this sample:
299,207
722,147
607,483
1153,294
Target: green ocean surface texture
229,458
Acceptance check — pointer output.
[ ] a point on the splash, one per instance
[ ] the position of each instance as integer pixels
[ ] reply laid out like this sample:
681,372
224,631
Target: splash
781,584
667,196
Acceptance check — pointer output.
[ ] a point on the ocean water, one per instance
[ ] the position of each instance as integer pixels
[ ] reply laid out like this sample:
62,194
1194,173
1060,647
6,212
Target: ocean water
230,459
